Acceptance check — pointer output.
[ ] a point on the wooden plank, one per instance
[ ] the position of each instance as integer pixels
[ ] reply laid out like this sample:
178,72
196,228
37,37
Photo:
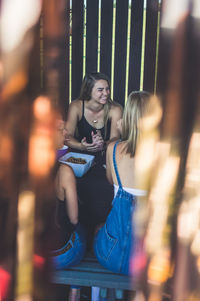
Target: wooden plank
64,64
150,45
89,272
165,49
120,50
77,46
92,35
106,36
135,45
91,279
90,266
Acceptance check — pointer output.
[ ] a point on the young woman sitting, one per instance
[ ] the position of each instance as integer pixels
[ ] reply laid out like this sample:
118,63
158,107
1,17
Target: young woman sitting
92,118
114,241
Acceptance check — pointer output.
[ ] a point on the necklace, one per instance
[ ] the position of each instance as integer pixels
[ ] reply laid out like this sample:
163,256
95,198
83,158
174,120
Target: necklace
95,121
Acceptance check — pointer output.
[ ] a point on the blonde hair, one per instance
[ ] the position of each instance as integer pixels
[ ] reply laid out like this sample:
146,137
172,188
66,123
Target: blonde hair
135,109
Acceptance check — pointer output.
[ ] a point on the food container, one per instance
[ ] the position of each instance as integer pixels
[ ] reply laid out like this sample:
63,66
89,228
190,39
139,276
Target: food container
79,169
61,151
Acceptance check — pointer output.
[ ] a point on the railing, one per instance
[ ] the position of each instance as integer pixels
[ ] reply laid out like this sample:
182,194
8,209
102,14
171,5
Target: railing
117,37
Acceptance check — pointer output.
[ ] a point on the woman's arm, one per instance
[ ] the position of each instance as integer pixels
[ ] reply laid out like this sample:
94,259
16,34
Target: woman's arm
66,190
109,155
116,113
71,124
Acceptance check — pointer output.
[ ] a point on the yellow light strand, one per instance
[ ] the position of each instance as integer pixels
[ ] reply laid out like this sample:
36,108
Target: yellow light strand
128,50
70,53
99,38
143,50
84,36
113,48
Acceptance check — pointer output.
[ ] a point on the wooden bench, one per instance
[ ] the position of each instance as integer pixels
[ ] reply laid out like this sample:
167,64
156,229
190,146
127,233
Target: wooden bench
90,273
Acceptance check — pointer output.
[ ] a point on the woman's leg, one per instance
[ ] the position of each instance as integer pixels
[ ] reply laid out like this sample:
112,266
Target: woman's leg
112,243
69,255
72,252
74,294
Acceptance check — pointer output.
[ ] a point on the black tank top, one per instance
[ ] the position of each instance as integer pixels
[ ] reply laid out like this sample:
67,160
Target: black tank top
85,129
62,227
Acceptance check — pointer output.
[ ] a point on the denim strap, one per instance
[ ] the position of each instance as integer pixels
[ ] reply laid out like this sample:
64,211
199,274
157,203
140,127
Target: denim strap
115,165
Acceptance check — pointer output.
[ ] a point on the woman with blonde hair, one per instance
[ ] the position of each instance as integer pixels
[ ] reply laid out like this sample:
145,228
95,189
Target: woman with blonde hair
114,241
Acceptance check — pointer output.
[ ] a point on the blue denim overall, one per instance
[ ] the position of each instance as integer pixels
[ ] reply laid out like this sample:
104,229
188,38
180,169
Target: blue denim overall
113,242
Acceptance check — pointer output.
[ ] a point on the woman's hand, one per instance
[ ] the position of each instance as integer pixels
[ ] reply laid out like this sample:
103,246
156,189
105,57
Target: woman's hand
98,139
67,138
96,145
90,147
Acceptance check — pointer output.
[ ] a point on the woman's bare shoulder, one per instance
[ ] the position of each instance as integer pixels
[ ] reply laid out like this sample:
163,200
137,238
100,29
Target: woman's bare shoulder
116,108
110,147
66,171
76,104
75,109
119,149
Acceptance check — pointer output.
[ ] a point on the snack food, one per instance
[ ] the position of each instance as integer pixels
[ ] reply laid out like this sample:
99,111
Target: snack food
76,160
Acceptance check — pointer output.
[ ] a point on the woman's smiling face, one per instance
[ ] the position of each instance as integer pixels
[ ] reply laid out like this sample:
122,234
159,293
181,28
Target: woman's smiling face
100,92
